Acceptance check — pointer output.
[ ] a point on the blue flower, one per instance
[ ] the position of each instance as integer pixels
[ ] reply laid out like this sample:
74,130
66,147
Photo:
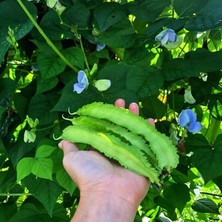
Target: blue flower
166,36
188,119
82,82
100,46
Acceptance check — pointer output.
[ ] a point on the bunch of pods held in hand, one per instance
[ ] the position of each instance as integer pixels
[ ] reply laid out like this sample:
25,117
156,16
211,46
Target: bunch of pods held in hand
120,134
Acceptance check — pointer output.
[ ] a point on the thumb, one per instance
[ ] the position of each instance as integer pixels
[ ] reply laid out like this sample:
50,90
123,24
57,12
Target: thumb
68,147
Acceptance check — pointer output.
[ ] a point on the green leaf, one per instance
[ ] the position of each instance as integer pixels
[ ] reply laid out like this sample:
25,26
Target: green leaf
205,158
75,56
32,211
125,33
205,19
203,23
2,110
46,85
43,168
143,82
18,21
24,167
215,40
51,25
218,182
21,104
28,212
205,205
195,62
195,142
183,177
39,107
7,179
189,7
201,60
171,192
117,73
72,100
65,181
157,26
8,87
148,10
45,151
50,65
218,143
81,18
176,69
46,191
176,101
109,14
204,92
212,5
19,149
7,210
153,107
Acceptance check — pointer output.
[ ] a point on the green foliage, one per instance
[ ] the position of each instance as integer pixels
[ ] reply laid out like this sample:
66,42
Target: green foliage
42,48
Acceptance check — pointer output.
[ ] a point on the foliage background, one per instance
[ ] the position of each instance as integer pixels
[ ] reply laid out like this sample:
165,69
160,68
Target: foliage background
38,70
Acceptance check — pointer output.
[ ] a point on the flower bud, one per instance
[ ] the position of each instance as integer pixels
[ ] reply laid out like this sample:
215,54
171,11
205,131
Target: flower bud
102,84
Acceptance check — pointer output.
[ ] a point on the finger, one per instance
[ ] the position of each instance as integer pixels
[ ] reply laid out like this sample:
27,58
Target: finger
120,103
133,107
151,121
68,147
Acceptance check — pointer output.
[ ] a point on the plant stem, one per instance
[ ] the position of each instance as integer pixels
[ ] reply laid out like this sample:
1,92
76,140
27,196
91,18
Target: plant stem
212,194
14,194
84,54
49,127
49,42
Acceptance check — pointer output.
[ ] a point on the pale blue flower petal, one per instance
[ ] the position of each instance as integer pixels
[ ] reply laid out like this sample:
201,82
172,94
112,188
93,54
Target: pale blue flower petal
78,87
194,127
100,46
183,118
82,78
82,82
164,39
192,115
172,36
166,36
187,116
161,38
187,119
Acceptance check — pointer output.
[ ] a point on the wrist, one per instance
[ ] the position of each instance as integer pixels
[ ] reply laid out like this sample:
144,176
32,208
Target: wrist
104,206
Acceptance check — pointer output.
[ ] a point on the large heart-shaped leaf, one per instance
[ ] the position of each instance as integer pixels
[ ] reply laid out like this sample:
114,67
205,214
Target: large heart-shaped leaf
206,158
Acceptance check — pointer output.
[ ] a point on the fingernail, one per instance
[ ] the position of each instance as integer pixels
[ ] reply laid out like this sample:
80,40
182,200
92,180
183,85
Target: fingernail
60,145
151,121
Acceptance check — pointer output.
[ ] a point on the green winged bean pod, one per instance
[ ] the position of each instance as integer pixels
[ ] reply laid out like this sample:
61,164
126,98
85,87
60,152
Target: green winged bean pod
161,145
112,147
119,134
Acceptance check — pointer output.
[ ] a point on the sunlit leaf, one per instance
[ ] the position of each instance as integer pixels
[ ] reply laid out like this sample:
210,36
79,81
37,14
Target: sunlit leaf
43,167
24,167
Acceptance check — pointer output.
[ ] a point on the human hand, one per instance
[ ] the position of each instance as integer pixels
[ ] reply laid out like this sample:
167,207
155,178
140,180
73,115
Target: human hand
97,177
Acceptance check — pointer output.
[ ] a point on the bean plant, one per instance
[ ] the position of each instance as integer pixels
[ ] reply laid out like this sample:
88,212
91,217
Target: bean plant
58,55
